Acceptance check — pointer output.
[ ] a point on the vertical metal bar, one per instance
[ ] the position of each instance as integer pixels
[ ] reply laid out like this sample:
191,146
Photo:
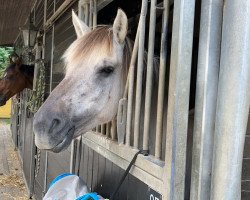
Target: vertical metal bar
73,155
52,59
51,81
33,146
232,101
45,173
94,14
86,13
113,130
43,56
72,149
178,98
38,54
150,66
131,77
91,13
162,74
108,126
140,68
81,11
206,95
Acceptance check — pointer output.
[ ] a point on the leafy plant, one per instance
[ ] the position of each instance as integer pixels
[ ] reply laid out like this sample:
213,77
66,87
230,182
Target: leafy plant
5,52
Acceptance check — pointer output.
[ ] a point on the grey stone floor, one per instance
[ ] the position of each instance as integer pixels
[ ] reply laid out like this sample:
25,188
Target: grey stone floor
12,185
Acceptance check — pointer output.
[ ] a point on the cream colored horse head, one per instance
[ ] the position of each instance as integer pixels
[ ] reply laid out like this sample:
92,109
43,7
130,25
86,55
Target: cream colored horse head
96,65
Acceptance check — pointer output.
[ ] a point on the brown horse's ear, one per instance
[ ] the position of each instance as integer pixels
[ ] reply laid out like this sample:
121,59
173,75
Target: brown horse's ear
18,60
15,59
11,60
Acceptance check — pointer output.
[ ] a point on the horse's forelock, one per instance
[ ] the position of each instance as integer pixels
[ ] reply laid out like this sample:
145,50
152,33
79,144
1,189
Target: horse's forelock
96,41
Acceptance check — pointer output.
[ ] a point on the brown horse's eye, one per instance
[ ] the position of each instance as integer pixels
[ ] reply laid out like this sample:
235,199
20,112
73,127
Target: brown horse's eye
107,70
9,77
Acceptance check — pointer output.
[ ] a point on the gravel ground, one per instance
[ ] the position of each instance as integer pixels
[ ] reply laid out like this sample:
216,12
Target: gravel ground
12,186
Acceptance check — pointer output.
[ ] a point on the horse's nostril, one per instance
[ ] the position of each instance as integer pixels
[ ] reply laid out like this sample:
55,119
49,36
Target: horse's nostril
54,125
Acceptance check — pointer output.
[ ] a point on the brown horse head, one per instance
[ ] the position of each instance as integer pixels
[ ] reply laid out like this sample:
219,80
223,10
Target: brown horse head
16,77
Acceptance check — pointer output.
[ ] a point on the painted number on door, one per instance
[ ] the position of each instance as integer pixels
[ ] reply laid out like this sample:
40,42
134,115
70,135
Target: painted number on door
153,195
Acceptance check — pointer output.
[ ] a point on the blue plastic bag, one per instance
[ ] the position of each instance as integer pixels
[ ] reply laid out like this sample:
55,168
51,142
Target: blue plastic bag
66,187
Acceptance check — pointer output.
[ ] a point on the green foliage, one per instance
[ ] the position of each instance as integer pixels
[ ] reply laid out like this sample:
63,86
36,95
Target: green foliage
5,52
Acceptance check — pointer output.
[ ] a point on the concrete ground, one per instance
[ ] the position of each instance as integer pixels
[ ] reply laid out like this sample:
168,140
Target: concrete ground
12,186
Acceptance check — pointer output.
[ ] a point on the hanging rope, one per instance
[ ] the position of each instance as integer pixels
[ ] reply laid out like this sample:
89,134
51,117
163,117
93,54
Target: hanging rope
36,100
37,97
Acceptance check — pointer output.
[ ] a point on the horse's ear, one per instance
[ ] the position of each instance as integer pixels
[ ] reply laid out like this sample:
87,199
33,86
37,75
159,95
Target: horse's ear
18,60
80,27
120,26
11,60
15,59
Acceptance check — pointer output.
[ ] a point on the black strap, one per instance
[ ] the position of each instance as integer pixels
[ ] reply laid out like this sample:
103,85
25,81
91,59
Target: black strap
145,153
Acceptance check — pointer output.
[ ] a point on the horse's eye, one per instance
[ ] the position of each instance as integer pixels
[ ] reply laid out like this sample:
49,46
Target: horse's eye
9,77
107,70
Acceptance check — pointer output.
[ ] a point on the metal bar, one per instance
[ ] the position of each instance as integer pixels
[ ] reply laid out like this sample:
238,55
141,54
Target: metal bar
52,58
178,98
206,95
232,102
51,79
149,81
33,146
162,74
113,130
140,67
121,120
86,14
91,14
130,81
81,13
73,155
45,173
108,127
94,14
